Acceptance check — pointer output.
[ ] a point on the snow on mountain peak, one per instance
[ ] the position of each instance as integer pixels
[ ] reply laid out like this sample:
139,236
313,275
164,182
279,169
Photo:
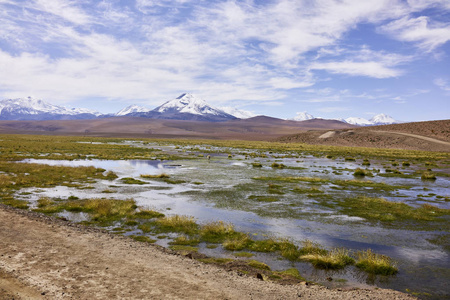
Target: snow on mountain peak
132,109
31,106
238,113
303,116
382,119
358,121
187,103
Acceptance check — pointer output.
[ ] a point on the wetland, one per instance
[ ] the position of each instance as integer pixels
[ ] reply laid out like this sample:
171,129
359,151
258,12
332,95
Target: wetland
340,217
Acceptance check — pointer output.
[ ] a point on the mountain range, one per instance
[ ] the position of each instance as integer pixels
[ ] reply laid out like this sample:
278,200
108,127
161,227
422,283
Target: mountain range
184,107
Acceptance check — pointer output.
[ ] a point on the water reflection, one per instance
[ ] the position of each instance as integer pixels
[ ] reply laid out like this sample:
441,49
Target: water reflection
121,167
417,258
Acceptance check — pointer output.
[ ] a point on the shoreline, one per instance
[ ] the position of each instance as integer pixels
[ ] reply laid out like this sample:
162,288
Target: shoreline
49,258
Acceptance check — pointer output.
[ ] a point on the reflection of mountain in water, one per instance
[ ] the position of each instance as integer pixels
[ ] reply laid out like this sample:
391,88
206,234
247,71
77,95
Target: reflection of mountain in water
153,163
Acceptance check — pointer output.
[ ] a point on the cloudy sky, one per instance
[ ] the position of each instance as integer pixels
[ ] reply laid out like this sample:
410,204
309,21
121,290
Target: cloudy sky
331,58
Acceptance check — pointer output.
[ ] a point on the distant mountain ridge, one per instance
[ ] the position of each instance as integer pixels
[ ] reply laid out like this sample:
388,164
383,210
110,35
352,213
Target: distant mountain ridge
380,119
184,107
36,109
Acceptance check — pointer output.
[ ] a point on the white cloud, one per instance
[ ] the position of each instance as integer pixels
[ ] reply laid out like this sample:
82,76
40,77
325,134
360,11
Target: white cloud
418,5
64,9
442,83
369,69
66,49
425,33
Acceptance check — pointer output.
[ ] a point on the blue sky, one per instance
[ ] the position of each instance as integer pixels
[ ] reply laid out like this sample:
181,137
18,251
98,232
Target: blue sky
331,58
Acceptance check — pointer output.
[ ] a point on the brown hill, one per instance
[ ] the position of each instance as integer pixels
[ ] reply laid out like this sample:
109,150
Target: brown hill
428,136
257,128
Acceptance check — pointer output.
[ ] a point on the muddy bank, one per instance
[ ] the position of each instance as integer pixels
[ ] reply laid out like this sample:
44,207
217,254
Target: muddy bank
42,257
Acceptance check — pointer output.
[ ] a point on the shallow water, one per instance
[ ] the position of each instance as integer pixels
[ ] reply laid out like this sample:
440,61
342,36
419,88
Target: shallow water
223,195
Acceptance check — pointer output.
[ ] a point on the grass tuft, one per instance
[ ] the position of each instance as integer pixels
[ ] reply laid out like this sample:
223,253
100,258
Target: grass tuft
428,176
237,242
375,263
177,223
361,173
278,166
130,180
310,247
142,238
163,175
147,214
258,265
185,240
216,232
335,259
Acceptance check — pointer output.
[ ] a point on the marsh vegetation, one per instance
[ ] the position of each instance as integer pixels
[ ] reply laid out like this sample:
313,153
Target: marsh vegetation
289,209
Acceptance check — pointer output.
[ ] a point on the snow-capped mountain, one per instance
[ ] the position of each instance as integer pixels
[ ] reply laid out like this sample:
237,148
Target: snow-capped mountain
358,121
187,107
36,109
303,116
131,110
382,119
188,104
238,113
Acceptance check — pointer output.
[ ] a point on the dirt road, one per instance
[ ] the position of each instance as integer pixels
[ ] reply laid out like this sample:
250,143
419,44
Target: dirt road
45,258
415,136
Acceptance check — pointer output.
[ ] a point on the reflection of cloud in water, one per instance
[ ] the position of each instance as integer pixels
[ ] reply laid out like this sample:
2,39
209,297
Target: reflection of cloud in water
121,167
345,217
422,255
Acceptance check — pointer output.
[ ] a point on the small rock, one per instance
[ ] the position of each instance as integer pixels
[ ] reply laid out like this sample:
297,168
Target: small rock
259,276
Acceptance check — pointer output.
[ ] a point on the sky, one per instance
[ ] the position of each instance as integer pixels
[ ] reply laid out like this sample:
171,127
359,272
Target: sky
330,58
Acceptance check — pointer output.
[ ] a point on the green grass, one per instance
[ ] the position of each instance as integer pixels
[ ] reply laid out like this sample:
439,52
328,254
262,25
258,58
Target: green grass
375,263
182,249
130,180
212,260
368,183
333,260
147,214
278,166
217,232
243,254
379,209
237,242
312,190
361,173
174,181
428,176
22,204
268,245
366,162
258,265
177,223
292,272
159,176
310,247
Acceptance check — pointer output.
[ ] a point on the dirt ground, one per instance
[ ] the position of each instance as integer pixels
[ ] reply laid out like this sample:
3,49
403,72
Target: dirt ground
47,258
365,137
